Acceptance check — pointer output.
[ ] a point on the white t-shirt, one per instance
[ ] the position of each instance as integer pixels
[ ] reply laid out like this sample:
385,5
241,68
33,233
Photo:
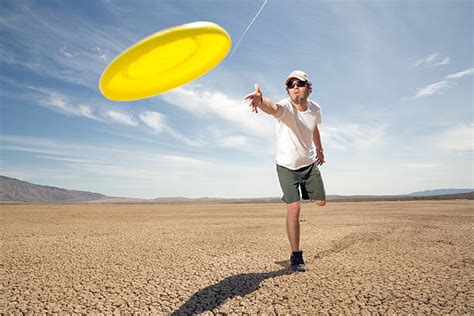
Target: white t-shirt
294,129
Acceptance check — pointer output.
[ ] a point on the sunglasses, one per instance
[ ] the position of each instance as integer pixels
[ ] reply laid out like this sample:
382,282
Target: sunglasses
298,83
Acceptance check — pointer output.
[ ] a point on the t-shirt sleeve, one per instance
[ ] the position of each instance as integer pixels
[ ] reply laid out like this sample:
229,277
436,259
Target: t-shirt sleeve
285,110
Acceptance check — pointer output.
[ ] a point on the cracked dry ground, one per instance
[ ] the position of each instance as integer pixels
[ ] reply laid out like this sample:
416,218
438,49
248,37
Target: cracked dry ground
365,257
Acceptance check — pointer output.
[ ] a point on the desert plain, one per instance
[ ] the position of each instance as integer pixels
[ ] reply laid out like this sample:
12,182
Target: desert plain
398,257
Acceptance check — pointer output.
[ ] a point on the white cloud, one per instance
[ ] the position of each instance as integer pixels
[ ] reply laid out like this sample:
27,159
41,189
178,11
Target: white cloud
432,60
102,53
215,137
154,120
420,165
185,160
439,87
84,156
433,88
116,8
86,111
426,60
459,138
55,101
139,172
74,52
244,130
461,74
207,102
445,61
233,141
348,136
58,102
65,51
177,135
121,117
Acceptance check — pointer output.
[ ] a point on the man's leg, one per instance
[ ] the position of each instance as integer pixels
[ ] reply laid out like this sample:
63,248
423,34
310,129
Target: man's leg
293,225
320,202
293,230
315,186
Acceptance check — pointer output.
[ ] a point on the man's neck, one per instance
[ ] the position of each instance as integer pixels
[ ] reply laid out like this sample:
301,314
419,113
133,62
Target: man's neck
301,107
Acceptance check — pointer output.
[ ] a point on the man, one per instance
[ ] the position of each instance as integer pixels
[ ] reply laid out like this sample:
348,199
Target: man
299,152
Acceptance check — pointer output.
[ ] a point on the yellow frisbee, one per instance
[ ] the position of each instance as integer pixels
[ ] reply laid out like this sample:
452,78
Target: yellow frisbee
165,60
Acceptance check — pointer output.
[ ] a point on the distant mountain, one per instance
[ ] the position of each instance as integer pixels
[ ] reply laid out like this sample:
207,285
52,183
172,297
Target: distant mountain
441,192
14,190
406,197
17,191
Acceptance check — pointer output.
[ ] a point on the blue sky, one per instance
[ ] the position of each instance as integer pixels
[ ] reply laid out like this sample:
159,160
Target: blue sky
394,80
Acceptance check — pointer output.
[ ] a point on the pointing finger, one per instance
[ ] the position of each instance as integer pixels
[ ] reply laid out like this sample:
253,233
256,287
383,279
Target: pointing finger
257,88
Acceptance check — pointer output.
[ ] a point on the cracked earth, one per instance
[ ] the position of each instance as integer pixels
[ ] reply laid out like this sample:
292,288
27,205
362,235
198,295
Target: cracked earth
362,258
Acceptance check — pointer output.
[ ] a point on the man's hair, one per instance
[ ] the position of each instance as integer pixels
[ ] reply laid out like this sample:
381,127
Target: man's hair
310,88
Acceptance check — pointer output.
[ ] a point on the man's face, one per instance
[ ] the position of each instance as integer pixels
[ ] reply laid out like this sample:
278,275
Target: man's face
297,90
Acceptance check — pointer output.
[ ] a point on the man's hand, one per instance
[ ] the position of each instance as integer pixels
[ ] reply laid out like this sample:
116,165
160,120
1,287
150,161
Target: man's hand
255,98
320,158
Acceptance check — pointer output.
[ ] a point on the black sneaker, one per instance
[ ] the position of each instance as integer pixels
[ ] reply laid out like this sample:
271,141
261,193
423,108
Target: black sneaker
297,262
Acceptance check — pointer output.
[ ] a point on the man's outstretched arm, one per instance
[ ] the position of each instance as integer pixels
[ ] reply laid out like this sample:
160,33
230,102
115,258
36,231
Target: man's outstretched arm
257,101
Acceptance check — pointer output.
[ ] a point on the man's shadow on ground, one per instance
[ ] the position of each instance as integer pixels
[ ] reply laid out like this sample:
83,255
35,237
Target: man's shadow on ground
215,295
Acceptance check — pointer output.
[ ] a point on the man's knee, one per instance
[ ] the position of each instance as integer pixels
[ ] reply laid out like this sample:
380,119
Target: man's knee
294,208
320,202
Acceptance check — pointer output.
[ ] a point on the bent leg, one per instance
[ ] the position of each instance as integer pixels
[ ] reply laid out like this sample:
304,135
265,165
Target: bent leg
320,202
315,186
293,225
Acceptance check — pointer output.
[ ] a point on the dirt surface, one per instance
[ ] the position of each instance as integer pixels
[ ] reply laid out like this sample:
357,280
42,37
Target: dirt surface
366,257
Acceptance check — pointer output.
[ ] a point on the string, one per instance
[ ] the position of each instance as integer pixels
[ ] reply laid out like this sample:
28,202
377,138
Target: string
248,27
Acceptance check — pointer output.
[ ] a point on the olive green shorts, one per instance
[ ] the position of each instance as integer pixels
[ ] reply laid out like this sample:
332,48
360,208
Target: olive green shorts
307,179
